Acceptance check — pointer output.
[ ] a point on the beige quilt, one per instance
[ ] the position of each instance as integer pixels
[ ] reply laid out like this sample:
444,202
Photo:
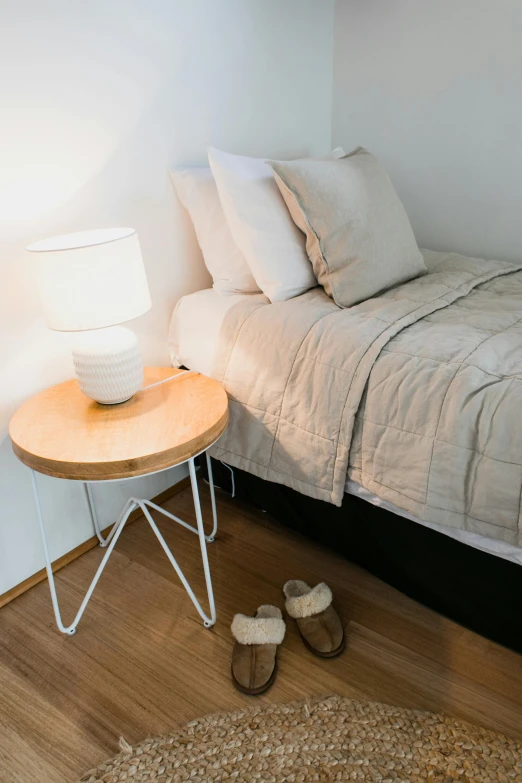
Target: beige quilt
418,392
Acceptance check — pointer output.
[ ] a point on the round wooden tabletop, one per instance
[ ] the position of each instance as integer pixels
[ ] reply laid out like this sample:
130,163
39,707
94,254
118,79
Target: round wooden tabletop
63,433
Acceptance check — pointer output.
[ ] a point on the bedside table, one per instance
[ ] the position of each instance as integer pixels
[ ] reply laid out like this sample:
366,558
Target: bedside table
62,433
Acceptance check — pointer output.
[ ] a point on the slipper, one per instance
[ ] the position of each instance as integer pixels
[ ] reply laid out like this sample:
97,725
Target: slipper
254,657
318,622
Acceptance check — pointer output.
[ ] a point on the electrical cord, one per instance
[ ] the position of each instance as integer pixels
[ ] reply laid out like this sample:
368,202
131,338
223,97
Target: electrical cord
184,375
170,378
232,477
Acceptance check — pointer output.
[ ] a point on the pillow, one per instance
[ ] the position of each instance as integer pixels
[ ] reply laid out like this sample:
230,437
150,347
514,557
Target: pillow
358,235
261,226
198,193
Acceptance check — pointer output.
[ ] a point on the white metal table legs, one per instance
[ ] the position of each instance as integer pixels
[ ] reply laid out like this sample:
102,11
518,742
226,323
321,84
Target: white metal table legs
110,542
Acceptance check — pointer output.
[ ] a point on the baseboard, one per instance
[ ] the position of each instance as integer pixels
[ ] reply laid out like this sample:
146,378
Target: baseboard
64,560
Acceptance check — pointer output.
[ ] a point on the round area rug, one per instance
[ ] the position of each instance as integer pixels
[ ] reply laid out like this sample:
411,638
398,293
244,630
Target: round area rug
324,739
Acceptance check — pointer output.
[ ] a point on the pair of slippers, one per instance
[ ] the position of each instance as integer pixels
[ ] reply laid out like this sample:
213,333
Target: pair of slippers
254,658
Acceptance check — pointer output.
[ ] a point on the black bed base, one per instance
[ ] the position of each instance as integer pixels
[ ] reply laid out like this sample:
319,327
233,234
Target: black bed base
477,590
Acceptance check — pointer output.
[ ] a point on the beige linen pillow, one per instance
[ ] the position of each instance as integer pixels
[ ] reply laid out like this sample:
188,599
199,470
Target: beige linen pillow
358,235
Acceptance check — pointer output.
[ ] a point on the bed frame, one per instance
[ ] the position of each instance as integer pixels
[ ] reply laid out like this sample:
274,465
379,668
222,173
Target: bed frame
478,590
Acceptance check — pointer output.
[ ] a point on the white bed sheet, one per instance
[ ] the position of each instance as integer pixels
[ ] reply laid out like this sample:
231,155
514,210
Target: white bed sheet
195,326
193,342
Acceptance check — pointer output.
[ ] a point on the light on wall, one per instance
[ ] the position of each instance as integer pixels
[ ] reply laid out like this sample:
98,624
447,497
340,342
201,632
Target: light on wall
89,282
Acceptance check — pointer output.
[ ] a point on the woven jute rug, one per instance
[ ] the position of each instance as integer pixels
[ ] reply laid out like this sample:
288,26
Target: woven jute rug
325,739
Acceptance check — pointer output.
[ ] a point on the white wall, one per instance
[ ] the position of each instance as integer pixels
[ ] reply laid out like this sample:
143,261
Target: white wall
434,89
97,99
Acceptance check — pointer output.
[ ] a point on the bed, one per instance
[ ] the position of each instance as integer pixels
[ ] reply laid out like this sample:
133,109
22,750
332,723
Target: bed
458,570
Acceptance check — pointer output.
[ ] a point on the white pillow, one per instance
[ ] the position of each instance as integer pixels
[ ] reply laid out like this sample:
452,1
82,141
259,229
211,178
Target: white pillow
261,225
197,191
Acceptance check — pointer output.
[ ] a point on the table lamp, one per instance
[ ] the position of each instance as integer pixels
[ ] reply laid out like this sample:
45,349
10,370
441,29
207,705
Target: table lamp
89,282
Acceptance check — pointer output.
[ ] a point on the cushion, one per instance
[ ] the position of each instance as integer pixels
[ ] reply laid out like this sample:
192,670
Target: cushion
358,235
260,225
198,193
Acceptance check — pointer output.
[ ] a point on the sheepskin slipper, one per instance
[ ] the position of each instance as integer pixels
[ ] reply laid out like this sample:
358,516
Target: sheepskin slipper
317,620
254,657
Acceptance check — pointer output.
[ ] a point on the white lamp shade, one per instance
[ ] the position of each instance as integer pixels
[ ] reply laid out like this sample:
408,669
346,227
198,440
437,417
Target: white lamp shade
91,279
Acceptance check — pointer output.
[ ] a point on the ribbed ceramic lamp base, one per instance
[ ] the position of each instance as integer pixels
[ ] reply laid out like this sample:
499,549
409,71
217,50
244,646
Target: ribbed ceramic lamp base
108,364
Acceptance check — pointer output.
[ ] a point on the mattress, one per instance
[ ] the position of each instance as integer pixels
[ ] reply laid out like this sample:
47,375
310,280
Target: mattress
193,342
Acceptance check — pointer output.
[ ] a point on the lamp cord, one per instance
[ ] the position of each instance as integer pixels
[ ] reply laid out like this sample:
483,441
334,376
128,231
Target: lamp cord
184,375
170,378
231,476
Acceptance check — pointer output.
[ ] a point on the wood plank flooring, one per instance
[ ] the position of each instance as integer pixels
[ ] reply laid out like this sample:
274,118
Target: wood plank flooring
142,663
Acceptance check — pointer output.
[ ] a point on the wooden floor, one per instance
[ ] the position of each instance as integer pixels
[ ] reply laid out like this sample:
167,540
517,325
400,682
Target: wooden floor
142,663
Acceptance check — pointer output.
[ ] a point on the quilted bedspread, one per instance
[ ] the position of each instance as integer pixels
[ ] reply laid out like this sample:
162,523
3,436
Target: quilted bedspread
417,392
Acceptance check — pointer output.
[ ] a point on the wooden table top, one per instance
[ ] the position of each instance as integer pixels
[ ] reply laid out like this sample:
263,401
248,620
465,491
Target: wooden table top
63,433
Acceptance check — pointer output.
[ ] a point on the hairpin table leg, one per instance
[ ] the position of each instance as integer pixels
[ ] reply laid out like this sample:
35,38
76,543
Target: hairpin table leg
110,541
71,629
